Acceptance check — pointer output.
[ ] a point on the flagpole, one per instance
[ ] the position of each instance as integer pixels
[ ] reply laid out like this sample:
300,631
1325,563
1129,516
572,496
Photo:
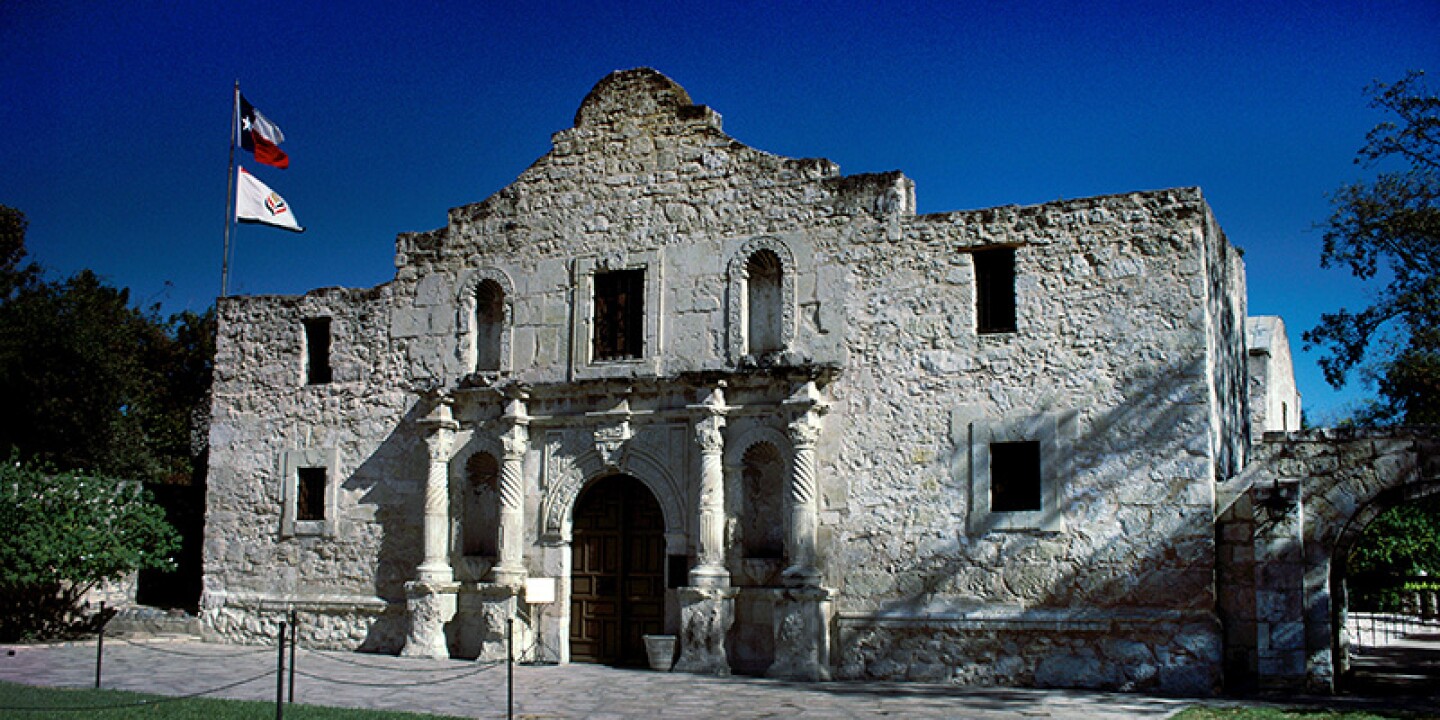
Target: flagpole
230,192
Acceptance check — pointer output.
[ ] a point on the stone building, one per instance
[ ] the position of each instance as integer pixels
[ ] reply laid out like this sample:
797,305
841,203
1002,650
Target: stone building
692,388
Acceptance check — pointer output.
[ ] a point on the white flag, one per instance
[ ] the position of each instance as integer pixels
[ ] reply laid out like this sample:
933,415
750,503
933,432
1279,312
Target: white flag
256,203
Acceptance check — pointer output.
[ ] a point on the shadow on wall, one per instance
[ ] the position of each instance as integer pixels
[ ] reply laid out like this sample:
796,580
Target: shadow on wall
392,480
1122,598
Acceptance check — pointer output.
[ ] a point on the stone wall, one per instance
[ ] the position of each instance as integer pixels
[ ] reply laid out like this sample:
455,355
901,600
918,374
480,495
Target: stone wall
1114,331
263,413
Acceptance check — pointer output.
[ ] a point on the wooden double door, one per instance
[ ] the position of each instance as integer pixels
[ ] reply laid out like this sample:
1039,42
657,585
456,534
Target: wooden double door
617,581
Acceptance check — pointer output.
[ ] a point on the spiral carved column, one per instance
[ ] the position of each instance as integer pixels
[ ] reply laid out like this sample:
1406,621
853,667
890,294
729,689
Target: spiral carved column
803,501
430,599
439,428
514,441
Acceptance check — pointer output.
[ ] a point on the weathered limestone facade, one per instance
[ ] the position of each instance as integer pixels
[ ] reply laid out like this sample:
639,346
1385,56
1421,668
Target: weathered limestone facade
804,429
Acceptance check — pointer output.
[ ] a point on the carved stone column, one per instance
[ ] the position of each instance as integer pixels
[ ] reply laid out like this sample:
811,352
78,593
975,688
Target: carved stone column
807,407
707,608
710,570
430,599
515,441
802,614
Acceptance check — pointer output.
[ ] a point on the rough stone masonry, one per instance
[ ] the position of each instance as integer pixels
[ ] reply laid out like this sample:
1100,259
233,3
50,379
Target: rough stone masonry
668,384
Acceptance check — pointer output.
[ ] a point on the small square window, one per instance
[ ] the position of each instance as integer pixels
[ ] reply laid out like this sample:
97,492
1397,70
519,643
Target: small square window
1015,477
310,487
317,351
619,315
995,290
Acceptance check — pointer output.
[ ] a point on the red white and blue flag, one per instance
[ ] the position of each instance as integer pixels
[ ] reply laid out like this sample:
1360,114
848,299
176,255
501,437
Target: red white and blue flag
261,136
257,203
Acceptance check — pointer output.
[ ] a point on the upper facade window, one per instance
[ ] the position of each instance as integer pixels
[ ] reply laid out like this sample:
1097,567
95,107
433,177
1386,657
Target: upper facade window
761,312
619,315
489,325
317,351
995,290
763,300
618,305
486,320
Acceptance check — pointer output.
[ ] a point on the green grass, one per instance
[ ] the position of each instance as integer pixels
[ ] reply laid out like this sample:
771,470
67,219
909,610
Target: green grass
22,701
1267,713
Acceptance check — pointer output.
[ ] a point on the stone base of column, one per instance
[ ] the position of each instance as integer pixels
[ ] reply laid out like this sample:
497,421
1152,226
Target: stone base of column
430,605
495,605
709,576
706,614
511,577
802,635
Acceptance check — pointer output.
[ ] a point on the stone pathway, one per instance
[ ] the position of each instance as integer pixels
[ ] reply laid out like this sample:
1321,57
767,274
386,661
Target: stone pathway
184,667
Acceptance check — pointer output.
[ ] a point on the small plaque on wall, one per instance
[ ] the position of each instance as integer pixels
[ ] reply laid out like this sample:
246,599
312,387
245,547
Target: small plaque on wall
539,591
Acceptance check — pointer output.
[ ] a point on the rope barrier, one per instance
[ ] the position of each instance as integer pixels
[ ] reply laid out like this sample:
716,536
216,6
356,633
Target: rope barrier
346,661
202,656
141,703
471,672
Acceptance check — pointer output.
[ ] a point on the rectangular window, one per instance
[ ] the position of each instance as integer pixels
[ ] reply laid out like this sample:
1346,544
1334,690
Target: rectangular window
317,351
310,487
995,290
619,314
1014,476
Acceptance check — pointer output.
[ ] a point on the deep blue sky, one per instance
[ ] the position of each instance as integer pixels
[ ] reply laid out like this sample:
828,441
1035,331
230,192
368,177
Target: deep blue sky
115,116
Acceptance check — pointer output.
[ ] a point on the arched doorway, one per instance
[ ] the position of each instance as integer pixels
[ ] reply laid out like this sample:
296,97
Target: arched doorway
617,572
1383,641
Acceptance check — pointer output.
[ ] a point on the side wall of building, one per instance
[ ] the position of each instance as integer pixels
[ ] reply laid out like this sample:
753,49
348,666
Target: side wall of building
268,422
1112,369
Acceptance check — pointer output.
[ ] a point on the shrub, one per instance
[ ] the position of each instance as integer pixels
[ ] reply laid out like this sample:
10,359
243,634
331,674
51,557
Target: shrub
61,534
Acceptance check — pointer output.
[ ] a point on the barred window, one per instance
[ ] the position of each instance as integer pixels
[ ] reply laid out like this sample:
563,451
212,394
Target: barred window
619,315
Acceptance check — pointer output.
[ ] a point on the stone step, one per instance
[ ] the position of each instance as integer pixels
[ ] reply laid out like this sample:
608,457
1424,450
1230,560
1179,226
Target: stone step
142,621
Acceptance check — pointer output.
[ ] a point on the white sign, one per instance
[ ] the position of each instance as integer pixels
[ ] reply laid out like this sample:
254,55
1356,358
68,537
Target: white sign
539,591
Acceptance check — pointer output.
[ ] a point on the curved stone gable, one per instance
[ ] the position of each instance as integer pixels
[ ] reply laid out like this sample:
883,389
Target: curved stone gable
639,93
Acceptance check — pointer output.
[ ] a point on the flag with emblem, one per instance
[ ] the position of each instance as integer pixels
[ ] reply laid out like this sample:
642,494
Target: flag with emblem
260,136
256,203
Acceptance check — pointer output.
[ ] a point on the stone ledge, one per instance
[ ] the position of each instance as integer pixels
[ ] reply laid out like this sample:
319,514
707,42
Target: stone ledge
1032,619
312,603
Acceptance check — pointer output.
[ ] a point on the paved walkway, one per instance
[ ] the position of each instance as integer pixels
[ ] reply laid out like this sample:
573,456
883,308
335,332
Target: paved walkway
467,689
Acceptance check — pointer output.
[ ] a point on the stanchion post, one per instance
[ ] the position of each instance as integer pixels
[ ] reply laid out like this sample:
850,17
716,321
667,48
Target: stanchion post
294,640
510,668
280,675
100,646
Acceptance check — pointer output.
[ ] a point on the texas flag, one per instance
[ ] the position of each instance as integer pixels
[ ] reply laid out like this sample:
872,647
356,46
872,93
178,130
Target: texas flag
261,136
257,203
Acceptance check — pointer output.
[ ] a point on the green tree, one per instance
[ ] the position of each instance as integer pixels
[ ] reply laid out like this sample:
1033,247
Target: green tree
99,389
93,383
64,534
1388,229
1399,546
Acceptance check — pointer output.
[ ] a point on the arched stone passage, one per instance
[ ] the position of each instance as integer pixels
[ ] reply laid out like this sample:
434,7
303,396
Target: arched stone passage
1285,526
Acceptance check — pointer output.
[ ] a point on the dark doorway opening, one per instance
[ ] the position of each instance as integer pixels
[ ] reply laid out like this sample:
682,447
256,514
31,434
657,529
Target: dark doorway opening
617,572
